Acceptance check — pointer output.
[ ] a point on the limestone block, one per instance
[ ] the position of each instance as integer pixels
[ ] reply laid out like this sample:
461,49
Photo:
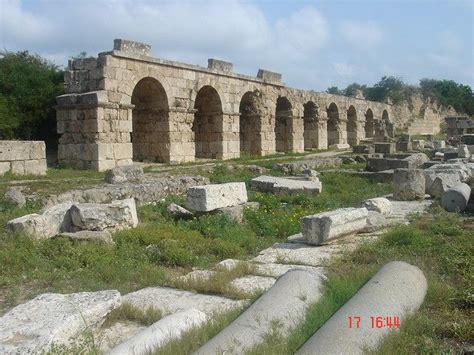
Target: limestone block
416,160
275,184
15,196
93,236
463,151
322,227
237,212
456,198
384,148
178,211
123,150
442,183
123,173
375,221
166,329
418,144
4,167
283,304
408,184
18,167
340,146
252,284
439,144
397,290
35,167
379,204
32,327
116,215
52,221
211,197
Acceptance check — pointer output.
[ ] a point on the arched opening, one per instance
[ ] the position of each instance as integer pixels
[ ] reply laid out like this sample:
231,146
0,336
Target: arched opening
310,118
250,123
207,125
283,117
351,126
369,124
385,116
333,124
149,121
389,128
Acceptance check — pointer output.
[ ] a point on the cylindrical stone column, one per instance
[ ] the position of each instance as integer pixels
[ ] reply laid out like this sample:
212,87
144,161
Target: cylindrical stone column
456,198
408,184
397,290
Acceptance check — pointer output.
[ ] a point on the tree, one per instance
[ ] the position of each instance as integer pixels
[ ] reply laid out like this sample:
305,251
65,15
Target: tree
334,90
449,93
29,85
351,90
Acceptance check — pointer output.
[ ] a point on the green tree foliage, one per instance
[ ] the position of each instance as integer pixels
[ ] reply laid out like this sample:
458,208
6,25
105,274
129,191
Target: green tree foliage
29,85
449,93
334,90
351,90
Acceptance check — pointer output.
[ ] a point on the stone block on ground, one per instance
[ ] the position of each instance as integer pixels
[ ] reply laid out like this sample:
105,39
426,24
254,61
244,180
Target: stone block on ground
396,290
463,151
92,236
285,304
211,197
339,146
170,300
363,149
375,221
52,221
275,184
408,184
322,227
237,212
161,332
384,148
417,160
125,173
14,195
456,198
178,211
277,270
379,204
34,326
116,215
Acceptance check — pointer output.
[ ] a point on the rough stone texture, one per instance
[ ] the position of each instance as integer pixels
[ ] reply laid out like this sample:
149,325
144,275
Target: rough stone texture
116,215
375,221
416,160
178,211
166,329
228,264
463,151
322,227
150,189
442,183
379,204
456,198
211,197
121,174
50,222
408,184
382,164
237,212
277,270
418,144
314,163
384,148
285,303
170,300
34,326
397,290
93,236
282,185
450,174
23,157
252,284
14,195
198,275
339,146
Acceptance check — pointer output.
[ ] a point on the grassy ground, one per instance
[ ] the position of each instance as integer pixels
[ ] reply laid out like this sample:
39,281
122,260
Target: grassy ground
161,247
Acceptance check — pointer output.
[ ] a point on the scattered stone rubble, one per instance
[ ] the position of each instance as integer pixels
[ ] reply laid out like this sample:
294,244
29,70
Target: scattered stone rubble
211,197
306,184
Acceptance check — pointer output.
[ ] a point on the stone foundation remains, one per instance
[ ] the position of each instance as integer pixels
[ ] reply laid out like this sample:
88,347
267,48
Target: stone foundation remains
23,157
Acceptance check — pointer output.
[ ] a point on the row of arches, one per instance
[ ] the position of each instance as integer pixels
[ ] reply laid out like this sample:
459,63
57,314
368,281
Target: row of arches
151,126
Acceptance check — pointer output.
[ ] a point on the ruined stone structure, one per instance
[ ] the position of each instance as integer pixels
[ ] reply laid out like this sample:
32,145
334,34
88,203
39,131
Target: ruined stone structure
125,105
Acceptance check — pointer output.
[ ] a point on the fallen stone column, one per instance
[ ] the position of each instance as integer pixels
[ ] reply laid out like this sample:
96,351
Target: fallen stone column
281,185
211,197
397,290
285,303
322,227
161,332
408,184
456,198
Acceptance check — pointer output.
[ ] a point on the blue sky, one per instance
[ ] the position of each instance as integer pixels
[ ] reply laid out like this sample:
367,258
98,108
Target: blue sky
314,44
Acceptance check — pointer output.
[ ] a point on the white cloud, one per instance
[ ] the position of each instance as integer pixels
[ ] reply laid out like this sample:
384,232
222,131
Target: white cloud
361,34
343,69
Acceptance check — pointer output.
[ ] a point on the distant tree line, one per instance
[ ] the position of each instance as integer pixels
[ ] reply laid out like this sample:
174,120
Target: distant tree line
445,92
29,85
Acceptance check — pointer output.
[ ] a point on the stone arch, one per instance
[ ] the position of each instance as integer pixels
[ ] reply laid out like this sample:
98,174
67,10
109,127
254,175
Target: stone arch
385,117
208,124
369,124
352,126
250,109
283,117
333,124
311,119
150,121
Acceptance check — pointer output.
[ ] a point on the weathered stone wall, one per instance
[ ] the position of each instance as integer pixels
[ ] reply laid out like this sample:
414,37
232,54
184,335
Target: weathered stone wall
23,157
127,105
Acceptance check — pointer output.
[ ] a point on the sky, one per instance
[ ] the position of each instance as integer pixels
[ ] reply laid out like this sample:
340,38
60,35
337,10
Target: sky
314,44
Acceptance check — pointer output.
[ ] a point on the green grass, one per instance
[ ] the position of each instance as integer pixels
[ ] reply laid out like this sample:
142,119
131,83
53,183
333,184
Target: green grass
441,245
128,312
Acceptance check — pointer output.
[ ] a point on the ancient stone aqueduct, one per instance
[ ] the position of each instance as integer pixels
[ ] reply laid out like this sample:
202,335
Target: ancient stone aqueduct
126,106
